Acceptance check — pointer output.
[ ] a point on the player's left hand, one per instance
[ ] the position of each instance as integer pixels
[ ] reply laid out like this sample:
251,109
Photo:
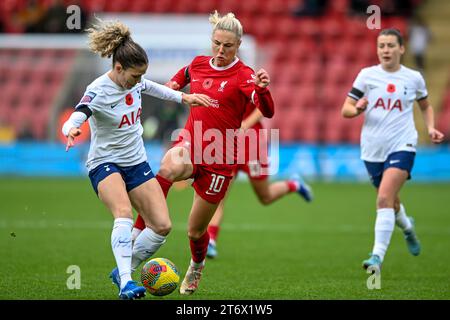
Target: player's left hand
262,78
196,99
435,135
74,132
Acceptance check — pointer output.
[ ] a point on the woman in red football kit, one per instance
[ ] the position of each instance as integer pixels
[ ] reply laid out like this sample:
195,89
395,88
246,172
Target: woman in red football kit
256,167
231,85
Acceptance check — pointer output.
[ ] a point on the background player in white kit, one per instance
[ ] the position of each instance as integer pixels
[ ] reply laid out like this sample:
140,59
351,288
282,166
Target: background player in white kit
117,161
385,93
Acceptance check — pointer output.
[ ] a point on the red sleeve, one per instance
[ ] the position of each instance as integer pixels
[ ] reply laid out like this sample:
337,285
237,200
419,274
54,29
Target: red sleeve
261,97
264,101
182,77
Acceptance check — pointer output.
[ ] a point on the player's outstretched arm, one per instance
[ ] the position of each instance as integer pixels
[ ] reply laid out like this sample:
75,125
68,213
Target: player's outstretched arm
352,108
71,128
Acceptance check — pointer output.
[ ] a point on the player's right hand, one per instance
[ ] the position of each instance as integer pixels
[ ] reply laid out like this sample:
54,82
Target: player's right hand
173,85
361,105
196,99
74,132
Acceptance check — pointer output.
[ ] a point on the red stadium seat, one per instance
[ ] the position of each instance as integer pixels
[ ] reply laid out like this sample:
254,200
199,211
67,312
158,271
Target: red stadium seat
252,7
276,8
333,126
353,129
207,6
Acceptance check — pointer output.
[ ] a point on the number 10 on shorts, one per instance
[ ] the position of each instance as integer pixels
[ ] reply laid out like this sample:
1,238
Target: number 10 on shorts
216,183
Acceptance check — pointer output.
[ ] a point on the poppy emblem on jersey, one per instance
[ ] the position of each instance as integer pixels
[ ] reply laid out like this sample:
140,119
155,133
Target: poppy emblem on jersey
129,99
207,83
391,88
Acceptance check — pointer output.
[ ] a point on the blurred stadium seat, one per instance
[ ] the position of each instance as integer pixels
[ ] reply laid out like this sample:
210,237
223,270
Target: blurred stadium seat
312,60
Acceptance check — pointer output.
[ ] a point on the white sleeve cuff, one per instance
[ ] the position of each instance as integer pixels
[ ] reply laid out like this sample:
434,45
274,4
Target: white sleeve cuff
75,121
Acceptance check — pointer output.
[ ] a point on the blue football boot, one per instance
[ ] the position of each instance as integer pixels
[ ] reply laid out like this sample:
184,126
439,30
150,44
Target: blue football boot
373,262
115,277
411,239
212,250
304,190
132,291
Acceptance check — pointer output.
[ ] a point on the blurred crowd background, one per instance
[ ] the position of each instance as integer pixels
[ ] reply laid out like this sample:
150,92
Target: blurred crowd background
313,50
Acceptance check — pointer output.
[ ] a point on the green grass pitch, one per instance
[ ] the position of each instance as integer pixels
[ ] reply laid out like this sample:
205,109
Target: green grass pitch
289,250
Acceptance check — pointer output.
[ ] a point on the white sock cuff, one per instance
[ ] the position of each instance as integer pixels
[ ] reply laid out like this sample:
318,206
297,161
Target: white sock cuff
154,236
127,222
385,219
197,265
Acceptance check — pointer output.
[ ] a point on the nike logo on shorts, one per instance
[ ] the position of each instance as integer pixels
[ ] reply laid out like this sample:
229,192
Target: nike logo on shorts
147,173
394,161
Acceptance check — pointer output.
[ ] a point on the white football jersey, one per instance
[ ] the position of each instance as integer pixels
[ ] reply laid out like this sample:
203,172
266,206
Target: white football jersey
389,120
116,130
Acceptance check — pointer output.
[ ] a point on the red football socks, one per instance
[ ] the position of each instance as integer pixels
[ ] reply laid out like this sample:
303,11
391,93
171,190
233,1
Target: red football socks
199,248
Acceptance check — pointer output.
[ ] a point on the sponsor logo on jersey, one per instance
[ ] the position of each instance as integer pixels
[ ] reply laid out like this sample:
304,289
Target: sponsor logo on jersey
131,118
388,105
391,88
114,105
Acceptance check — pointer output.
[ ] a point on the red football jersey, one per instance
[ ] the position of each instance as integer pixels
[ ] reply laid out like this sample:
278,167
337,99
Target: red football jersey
230,89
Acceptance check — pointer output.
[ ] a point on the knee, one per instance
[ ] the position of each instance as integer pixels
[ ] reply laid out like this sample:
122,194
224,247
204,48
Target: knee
264,198
166,171
123,212
385,201
194,235
163,229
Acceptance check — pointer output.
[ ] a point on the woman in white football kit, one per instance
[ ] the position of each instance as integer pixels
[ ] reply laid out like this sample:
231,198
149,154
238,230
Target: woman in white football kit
385,93
117,161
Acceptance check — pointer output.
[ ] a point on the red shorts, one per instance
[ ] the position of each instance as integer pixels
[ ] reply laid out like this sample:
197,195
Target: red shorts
210,184
210,181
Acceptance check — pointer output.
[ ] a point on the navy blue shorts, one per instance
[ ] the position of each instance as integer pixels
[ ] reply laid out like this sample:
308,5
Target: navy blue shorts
133,176
402,159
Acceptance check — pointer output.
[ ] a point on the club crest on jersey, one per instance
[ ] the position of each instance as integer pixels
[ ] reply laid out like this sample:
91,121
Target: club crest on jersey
129,99
391,88
222,86
207,83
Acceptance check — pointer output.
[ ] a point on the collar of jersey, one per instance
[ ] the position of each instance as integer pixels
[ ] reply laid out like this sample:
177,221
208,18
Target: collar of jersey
389,72
236,60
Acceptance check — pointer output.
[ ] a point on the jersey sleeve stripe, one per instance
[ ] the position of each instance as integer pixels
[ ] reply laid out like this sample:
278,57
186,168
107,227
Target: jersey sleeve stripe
423,98
84,109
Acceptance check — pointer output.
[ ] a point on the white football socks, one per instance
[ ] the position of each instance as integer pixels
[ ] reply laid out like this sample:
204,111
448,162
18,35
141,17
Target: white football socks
134,233
384,226
401,219
145,245
121,247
